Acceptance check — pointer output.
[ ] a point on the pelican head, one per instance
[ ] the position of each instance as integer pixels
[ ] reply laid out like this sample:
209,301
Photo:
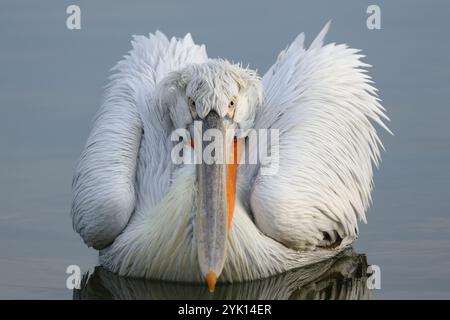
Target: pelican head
222,97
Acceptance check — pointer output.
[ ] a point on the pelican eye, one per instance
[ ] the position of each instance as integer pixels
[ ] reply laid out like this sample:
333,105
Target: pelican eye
232,103
191,104
231,106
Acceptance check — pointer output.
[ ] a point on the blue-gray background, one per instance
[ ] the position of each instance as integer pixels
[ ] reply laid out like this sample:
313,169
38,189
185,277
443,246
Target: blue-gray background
51,81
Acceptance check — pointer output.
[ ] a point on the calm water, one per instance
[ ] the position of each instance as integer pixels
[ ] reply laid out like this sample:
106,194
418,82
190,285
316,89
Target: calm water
51,82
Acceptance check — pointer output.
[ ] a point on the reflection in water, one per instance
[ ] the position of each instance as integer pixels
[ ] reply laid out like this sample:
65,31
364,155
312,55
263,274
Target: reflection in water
342,277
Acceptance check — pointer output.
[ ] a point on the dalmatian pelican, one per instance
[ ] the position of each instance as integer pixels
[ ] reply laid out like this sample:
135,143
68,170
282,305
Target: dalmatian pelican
206,222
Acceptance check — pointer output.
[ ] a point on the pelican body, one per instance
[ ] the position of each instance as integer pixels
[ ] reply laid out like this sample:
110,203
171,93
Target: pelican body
152,217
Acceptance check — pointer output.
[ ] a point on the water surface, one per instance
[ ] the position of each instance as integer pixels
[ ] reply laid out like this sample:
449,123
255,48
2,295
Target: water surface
51,81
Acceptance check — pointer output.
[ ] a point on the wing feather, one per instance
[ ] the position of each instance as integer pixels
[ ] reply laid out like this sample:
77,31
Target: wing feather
103,186
324,105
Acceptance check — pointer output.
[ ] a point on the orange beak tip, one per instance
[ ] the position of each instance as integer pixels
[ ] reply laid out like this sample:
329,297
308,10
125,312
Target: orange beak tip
211,279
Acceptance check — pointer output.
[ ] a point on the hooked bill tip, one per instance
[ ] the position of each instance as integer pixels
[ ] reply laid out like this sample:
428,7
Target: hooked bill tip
211,279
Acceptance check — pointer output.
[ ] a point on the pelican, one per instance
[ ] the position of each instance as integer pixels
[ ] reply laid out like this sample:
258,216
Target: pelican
150,217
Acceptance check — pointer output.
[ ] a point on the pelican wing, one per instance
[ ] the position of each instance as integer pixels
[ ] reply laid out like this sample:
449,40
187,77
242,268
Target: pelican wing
104,181
324,105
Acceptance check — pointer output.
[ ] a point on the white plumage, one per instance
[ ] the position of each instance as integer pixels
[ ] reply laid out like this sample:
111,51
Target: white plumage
138,208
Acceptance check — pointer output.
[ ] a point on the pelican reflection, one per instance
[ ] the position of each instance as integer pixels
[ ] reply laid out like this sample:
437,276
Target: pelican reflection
342,277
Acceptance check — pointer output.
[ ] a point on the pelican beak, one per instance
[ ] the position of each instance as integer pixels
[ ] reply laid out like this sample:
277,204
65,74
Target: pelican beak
216,200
